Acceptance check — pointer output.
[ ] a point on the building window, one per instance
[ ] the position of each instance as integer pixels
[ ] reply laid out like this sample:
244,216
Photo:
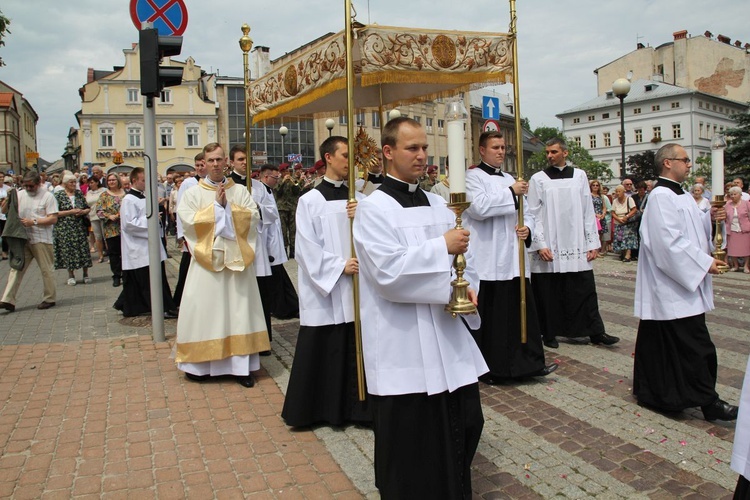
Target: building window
417,118
638,135
591,118
714,107
428,127
700,130
430,160
676,132
360,119
655,107
193,136
607,140
675,105
441,125
133,96
577,140
605,116
134,136
636,111
165,96
592,141
342,119
442,160
657,132
107,137
576,120
700,104
165,134
376,119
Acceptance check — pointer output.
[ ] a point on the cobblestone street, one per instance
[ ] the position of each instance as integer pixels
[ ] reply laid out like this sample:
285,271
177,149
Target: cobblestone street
91,407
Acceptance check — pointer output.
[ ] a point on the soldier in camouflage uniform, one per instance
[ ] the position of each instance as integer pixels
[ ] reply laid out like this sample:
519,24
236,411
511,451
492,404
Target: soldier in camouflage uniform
287,193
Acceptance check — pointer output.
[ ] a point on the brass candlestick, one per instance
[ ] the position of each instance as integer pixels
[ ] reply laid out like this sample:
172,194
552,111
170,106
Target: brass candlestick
459,303
718,253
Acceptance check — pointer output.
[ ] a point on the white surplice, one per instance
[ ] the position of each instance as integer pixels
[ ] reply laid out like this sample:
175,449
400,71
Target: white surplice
673,280
221,327
134,233
268,217
322,247
564,222
272,233
492,218
410,344
741,448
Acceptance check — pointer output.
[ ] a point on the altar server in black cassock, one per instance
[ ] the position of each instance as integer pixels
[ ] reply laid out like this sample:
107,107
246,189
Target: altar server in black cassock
421,364
565,241
675,363
492,219
323,381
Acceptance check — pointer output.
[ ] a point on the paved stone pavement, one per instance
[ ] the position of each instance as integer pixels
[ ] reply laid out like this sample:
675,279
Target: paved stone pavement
91,407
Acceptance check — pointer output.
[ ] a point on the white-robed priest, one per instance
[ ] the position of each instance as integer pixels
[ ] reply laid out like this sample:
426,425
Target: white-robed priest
221,328
323,381
741,449
675,361
421,364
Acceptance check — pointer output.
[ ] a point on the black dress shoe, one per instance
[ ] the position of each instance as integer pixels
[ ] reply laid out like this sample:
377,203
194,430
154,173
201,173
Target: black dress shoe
719,410
170,314
245,381
552,343
45,305
491,379
8,307
116,281
546,370
265,353
197,378
605,339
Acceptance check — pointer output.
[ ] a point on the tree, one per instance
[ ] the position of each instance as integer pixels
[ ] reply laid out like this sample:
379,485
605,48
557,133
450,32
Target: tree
4,31
641,166
701,168
737,154
546,133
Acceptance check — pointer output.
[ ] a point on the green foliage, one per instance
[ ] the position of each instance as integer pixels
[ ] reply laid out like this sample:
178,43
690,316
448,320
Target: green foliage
737,154
641,166
701,168
4,31
546,133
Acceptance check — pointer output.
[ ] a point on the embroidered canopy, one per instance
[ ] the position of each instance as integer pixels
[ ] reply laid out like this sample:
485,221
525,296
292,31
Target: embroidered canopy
392,66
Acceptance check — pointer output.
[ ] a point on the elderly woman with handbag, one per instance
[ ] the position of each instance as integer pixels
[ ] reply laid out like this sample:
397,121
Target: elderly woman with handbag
70,234
624,213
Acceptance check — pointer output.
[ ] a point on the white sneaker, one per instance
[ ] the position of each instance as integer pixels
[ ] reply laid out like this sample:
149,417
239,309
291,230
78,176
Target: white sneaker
87,280
71,281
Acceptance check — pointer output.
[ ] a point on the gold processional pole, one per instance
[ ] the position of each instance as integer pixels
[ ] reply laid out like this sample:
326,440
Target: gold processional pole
246,43
519,165
352,189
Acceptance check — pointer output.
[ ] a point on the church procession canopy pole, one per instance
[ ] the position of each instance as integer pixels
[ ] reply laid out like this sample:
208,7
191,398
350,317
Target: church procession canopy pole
246,43
519,165
352,189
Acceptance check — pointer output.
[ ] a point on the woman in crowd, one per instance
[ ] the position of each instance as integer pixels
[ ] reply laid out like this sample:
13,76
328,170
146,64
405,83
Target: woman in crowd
70,233
738,229
83,184
173,199
55,182
623,210
93,192
697,192
108,210
601,210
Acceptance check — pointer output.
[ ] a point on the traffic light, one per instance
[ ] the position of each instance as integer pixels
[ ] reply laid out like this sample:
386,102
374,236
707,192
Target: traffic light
153,47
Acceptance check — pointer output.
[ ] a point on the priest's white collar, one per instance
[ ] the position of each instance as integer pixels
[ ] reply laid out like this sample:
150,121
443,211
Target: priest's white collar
331,181
374,174
412,187
243,177
212,183
497,170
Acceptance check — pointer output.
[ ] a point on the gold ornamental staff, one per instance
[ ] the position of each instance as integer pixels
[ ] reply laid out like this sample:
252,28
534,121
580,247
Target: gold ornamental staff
519,164
352,190
246,43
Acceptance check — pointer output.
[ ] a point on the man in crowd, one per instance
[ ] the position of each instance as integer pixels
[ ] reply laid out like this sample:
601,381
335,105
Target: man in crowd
565,241
492,219
4,188
698,180
200,173
284,301
37,213
629,186
675,361
268,217
431,180
421,363
287,194
323,381
221,329
737,181
443,188
98,174
135,298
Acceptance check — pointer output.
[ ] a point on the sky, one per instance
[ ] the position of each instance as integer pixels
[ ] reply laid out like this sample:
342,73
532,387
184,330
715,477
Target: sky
53,43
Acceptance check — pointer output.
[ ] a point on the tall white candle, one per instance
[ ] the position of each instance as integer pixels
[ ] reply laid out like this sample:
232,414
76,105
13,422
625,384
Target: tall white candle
456,156
717,171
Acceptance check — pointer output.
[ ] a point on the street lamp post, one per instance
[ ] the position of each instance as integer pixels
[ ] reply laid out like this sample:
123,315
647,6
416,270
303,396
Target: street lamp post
330,123
621,87
283,131
394,113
